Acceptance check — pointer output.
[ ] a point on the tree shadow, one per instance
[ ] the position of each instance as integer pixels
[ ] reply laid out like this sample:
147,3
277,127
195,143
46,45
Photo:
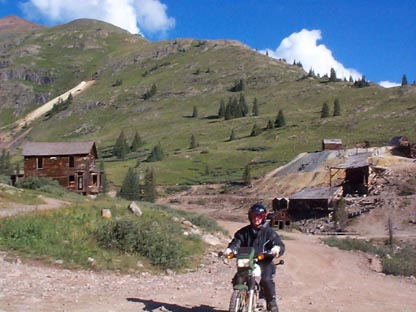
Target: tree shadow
150,305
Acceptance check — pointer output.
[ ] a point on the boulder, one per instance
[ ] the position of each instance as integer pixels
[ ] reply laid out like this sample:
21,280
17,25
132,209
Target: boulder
135,209
106,213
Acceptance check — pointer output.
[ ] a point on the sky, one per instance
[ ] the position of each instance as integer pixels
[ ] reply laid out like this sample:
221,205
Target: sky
371,38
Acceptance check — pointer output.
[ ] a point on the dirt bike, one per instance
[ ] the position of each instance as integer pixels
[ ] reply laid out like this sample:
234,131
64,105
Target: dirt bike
246,283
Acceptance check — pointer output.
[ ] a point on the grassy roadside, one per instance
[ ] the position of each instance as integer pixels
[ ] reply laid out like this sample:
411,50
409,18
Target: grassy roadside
397,259
79,237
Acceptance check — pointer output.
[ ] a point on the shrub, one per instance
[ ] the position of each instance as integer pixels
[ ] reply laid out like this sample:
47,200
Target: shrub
153,238
43,184
5,179
351,244
402,262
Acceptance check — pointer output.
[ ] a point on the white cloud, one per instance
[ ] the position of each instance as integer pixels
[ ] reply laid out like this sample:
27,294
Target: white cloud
149,15
389,84
152,16
302,47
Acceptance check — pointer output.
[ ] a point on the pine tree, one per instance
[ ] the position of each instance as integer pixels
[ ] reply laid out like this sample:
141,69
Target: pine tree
232,135
361,83
243,105
325,110
130,189
221,110
156,154
5,163
269,125
238,86
255,110
69,99
255,131
104,183
228,110
333,75
194,112
194,142
337,108
236,109
280,120
404,80
247,175
150,93
121,147
136,143
149,188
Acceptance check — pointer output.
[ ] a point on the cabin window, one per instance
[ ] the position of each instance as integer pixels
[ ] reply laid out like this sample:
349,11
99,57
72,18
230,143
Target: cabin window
39,163
94,179
71,161
80,181
71,181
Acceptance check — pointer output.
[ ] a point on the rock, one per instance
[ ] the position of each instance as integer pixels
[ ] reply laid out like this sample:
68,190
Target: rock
135,209
106,213
375,264
91,261
187,223
211,240
169,272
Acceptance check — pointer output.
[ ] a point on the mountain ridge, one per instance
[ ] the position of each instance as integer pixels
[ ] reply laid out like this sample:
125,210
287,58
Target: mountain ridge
187,73
13,23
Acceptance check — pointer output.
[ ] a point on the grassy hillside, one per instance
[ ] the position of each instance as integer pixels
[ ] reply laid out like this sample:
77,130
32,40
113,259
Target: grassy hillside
193,73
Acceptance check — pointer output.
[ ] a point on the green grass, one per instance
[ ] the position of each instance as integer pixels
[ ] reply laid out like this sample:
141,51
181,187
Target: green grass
79,233
396,259
79,49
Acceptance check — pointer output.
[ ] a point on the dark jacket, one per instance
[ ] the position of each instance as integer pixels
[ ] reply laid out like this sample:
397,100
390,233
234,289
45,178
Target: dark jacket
262,239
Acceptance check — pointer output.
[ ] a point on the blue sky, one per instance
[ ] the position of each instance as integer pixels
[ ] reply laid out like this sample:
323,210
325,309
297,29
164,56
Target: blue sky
374,38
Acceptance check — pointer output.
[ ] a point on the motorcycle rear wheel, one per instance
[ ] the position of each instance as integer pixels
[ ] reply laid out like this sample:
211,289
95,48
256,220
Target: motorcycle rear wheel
239,301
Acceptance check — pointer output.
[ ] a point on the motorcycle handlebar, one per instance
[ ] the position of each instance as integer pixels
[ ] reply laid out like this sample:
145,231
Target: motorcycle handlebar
264,254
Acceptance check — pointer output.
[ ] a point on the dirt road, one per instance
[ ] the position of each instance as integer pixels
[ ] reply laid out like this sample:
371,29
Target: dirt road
315,277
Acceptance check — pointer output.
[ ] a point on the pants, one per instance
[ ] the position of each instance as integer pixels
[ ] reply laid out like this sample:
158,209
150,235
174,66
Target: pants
268,269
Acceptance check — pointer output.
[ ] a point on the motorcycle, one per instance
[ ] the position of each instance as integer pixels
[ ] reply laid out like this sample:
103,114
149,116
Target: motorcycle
246,282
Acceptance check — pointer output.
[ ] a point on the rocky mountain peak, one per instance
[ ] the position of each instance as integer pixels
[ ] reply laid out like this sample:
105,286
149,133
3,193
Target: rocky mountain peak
14,23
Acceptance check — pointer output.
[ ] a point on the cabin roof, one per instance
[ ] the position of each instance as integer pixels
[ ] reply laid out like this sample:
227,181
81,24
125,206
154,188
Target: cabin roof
58,148
332,141
354,161
316,193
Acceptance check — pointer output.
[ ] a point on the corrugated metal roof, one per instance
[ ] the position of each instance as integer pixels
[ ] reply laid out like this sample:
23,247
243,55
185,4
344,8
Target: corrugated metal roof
354,161
58,148
316,193
332,141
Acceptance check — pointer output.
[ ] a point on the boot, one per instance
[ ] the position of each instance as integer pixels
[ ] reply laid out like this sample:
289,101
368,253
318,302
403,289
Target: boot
272,306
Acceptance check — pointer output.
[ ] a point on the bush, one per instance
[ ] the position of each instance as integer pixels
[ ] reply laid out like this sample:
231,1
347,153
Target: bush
402,262
153,238
5,179
351,244
43,184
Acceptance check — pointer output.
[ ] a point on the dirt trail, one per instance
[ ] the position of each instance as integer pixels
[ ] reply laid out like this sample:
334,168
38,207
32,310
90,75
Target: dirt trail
315,277
7,138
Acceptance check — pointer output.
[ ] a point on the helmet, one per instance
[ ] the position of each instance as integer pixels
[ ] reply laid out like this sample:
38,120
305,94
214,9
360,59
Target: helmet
256,211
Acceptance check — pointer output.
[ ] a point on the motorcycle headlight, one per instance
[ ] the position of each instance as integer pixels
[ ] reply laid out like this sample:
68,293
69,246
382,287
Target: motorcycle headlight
243,263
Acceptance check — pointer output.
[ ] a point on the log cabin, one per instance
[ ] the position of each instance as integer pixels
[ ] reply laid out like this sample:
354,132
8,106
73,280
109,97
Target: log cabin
72,164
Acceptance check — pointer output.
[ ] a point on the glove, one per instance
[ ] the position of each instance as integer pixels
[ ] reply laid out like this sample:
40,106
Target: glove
228,252
275,250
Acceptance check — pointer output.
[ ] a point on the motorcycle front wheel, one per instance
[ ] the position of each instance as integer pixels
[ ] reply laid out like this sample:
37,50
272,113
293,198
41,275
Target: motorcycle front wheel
239,301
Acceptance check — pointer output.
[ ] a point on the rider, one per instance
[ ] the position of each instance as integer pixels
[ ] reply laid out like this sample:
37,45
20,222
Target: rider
260,235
